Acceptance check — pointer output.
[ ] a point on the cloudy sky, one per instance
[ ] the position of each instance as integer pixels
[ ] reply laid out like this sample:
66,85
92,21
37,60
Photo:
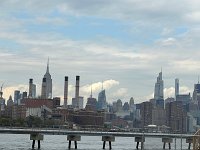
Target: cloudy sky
122,43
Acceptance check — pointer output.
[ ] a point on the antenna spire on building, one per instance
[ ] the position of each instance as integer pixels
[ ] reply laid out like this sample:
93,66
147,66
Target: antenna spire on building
48,65
91,92
198,79
102,85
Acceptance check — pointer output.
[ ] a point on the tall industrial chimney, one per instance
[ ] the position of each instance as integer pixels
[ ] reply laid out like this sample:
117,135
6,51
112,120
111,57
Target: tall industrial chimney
65,91
77,87
30,88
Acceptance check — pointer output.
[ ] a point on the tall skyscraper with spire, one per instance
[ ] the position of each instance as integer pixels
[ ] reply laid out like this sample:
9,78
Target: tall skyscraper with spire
102,104
159,85
47,84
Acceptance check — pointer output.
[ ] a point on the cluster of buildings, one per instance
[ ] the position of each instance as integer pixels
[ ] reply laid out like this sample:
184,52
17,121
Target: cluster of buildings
179,114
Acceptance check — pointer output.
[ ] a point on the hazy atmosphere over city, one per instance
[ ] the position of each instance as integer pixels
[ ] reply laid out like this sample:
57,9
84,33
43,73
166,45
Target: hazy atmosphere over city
122,43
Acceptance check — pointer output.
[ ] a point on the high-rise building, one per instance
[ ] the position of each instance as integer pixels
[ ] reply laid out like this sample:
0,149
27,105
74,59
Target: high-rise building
159,85
146,113
176,87
16,96
32,89
91,103
102,100
196,92
176,117
2,101
46,84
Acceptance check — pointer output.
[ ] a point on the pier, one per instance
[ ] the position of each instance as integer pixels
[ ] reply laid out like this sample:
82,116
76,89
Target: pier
37,134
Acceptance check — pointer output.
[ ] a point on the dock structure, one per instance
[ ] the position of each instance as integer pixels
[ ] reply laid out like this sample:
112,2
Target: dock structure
37,134
108,138
167,140
34,137
140,139
74,138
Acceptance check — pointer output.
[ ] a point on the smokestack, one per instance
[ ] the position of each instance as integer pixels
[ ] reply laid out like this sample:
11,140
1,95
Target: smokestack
30,88
77,87
65,91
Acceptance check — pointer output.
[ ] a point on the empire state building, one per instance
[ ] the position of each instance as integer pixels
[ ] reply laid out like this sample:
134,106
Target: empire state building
46,84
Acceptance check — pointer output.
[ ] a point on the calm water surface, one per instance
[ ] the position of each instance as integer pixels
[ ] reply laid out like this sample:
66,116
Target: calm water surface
59,142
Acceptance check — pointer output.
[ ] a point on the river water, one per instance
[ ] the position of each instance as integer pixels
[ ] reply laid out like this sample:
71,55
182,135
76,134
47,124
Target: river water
59,142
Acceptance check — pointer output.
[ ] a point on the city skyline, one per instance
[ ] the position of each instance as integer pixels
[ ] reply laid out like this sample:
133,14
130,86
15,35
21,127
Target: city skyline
123,43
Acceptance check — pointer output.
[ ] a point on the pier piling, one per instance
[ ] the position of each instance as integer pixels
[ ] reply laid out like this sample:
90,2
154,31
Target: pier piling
38,137
74,138
108,138
139,139
167,140
189,140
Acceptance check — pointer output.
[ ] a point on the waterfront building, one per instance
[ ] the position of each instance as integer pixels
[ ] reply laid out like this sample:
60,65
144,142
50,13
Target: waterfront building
38,107
46,91
87,119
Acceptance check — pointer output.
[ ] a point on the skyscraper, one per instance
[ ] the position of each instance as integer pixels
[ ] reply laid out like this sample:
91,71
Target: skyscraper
176,87
196,92
102,100
32,89
16,96
47,84
159,85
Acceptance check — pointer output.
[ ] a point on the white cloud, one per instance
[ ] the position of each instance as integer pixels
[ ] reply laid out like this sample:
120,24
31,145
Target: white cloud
9,90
